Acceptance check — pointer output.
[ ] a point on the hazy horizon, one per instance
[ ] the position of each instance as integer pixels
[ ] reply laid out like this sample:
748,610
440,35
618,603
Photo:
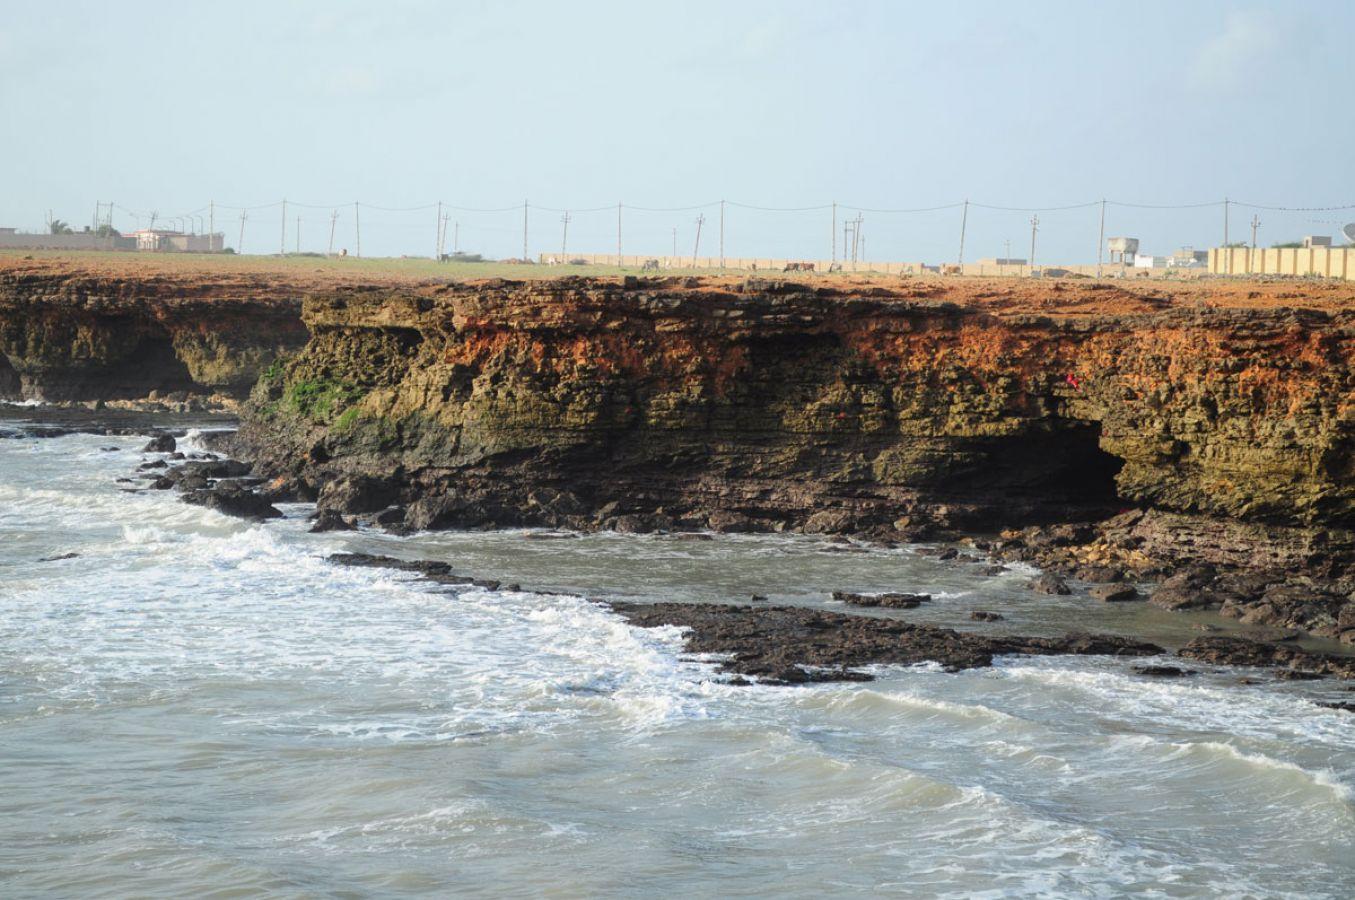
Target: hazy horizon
763,104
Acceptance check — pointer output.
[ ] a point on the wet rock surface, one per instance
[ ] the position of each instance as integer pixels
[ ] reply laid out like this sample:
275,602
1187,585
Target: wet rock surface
161,443
233,499
888,600
329,520
1292,660
793,645
1114,593
1050,584
1164,671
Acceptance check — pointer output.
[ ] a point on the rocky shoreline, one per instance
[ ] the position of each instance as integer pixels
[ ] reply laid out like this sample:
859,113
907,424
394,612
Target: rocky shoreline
758,642
783,645
1194,449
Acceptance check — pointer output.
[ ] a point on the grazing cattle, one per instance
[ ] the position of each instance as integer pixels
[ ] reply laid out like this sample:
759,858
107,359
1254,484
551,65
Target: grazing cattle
798,267
650,265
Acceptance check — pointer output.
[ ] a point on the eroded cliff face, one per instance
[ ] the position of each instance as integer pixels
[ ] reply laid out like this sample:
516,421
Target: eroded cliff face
764,406
71,336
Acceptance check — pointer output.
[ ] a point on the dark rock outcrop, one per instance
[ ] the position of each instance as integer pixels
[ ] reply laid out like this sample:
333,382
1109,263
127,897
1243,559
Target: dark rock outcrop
1050,584
793,645
1114,593
233,499
161,443
1236,651
888,600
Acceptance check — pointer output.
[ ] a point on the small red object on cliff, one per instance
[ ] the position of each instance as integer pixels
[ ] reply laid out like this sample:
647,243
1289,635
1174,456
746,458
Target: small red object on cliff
1073,381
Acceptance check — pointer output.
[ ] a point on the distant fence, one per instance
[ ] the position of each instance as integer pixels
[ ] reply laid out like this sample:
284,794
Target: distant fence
81,241
748,263
1323,262
772,264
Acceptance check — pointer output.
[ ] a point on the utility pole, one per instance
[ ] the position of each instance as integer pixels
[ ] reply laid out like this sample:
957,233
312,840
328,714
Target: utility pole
1227,256
700,220
1007,254
456,237
211,221
1034,227
437,242
333,223
722,234
282,243
564,236
1255,224
357,230
675,242
618,234
240,244
298,234
1101,240
834,235
442,233
964,223
524,230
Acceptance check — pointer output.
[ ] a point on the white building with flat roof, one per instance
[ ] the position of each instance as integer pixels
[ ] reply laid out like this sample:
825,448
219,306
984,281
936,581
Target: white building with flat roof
177,241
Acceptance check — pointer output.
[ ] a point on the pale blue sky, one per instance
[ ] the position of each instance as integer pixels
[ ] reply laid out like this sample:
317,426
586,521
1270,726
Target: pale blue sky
576,105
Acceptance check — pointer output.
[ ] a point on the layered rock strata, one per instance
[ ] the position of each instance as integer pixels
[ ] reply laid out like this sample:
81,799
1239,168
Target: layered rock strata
765,405
77,336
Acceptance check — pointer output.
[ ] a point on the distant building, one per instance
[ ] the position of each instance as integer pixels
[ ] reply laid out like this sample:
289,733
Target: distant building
156,239
1148,261
1189,257
1125,248
1317,240
1002,261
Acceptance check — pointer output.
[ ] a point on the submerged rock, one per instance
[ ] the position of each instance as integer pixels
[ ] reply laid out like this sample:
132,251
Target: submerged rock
374,561
1164,671
1050,584
887,600
58,557
233,499
1114,593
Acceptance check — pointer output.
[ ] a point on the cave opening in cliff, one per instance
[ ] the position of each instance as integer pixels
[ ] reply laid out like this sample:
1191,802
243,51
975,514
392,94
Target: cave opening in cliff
1049,474
1080,471
10,386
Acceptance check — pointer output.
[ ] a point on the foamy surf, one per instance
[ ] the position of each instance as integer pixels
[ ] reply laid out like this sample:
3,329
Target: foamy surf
250,716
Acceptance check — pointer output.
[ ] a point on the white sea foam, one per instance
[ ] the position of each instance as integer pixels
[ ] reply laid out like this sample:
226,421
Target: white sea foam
209,698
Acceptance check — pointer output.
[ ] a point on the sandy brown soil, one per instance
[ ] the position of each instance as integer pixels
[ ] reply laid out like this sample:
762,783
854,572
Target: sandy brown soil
228,275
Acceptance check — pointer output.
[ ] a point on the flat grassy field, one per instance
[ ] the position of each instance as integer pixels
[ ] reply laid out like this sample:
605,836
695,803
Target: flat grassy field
373,268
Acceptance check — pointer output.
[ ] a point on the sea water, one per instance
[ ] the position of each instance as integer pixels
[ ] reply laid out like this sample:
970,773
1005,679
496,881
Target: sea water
199,706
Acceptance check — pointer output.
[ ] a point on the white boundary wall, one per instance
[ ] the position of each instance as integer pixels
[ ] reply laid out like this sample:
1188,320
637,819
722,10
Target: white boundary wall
1320,262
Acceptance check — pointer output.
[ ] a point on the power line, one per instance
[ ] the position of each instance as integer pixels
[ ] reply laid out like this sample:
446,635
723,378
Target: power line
1293,208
